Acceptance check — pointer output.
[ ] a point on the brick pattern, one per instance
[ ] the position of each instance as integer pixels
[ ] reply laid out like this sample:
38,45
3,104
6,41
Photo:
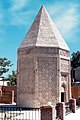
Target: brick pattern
47,50
60,111
64,53
47,68
43,32
46,113
72,105
65,74
7,97
41,63
65,65
26,79
10,88
75,91
38,77
7,94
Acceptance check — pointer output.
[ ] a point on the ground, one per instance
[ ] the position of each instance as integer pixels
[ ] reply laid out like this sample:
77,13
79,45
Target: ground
73,116
32,115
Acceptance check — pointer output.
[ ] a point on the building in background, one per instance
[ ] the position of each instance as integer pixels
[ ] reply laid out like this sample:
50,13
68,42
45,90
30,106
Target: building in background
3,82
76,74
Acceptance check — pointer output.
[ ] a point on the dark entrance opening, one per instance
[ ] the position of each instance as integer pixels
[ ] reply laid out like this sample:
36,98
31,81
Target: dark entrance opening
62,96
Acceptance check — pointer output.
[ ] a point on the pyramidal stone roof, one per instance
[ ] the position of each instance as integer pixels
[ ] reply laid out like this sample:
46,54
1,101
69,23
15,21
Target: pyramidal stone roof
43,33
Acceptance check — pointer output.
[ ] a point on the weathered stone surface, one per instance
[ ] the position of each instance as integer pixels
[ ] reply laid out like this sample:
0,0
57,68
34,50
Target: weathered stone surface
60,111
46,113
43,65
44,33
47,75
72,105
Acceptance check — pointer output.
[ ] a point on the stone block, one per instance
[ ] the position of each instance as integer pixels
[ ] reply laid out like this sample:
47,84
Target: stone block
60,111
72,105
46,113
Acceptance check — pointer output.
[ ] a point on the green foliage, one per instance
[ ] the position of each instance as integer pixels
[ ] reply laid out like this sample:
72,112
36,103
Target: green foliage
75,59
12,79
4,65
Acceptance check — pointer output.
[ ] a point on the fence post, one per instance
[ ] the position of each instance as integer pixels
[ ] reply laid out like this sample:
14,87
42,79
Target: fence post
60,110
72,105
12,96
46,113
0,95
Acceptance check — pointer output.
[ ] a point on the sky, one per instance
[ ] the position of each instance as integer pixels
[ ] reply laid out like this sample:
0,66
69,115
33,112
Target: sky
16,17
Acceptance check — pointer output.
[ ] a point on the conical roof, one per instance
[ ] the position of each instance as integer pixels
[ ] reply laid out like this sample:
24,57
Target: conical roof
43,33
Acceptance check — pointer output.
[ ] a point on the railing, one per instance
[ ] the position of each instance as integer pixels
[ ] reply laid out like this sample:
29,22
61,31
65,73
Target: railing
57,118
78,101
19,113
67,108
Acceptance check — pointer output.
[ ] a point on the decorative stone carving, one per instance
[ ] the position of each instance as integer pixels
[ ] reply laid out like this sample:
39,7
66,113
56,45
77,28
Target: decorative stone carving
65,66
64,53
47,50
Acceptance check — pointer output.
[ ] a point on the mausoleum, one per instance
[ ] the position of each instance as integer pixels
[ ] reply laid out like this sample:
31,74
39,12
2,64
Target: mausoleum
43,72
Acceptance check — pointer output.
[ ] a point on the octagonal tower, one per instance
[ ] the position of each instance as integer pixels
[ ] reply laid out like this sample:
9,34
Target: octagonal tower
43,73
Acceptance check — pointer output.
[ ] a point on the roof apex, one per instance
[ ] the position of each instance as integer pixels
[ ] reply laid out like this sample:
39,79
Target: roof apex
43,33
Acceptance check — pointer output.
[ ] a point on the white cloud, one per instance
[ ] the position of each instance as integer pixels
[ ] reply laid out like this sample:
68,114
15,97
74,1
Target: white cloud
18,4
15,14
68,20
54,9
21,18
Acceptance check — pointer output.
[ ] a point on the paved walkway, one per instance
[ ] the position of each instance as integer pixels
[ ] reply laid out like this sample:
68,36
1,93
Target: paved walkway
73,116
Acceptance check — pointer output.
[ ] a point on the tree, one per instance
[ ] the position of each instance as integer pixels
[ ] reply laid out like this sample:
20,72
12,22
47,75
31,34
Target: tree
4,65
12,79
75,59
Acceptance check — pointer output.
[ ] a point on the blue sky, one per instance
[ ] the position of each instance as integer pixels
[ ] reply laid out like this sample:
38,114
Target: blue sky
16,17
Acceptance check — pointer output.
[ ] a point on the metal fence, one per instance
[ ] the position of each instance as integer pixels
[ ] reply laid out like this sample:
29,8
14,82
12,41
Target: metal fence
19,113
67,108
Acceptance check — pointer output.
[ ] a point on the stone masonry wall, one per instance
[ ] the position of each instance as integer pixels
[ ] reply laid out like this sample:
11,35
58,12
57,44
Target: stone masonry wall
40,76
26,80
47,76
65,73
37,77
